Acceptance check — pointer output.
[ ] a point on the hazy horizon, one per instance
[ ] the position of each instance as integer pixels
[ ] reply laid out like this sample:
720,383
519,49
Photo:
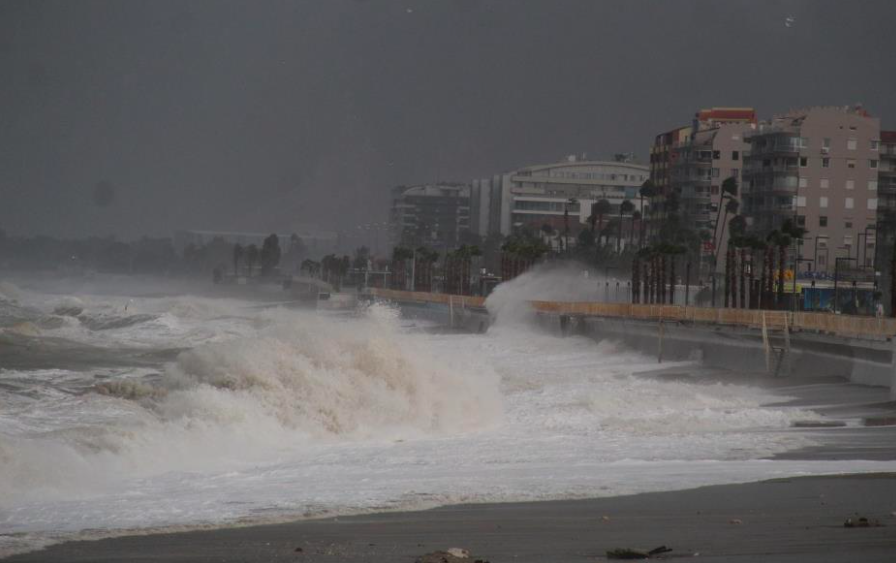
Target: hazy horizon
262,116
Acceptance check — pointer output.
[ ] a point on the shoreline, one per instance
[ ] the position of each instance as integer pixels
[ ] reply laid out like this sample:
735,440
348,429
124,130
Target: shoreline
792,519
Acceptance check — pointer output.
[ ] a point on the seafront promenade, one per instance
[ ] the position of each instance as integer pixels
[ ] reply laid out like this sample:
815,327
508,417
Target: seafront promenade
782,343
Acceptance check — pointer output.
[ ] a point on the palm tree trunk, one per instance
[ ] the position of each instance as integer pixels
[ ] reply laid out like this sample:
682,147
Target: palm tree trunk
672,279
619,233
782,258
753,292
743,277
727,276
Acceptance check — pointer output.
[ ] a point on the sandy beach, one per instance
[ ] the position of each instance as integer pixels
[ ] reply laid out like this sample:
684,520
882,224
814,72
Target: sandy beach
792,520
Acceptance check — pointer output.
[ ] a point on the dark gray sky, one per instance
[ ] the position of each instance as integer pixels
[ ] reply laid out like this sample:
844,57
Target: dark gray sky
257,115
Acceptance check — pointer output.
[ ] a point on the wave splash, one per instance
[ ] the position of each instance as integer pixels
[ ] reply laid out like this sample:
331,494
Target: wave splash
302,380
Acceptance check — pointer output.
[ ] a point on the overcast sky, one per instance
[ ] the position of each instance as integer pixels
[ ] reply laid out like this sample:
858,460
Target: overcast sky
261,115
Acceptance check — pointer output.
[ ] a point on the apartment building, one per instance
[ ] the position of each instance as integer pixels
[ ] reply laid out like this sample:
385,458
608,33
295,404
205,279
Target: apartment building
692,162
818,167
435,215
886,216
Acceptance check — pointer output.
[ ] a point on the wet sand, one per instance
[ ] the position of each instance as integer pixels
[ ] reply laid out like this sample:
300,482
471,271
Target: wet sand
791,520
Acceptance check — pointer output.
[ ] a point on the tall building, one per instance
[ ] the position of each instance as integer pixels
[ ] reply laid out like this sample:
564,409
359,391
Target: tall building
886,215
818,167
692,162
535,196
434,215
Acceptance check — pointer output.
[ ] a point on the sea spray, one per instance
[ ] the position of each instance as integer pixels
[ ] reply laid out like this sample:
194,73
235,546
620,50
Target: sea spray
304,379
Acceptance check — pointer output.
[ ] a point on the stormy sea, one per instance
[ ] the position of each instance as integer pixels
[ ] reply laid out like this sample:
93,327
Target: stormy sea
133,405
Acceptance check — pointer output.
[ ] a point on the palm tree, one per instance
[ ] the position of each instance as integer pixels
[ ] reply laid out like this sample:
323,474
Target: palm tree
598,209
636,216
570,201
648,190
251,258
238,252
737,228
729,192
625,208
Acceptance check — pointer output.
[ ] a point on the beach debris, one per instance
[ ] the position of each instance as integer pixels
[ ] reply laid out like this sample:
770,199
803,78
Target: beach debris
452,555
735,521
861,522
628,553
299,550
818,424
880,421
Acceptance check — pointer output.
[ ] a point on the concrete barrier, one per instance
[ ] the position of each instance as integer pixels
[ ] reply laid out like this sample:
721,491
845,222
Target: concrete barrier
860,349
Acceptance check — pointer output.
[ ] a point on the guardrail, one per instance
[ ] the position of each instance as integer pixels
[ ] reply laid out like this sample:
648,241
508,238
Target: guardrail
840,325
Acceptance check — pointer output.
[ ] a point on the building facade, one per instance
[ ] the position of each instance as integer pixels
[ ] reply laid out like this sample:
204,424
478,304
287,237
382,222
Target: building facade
691,163
535,196
432,215
886,217
818,167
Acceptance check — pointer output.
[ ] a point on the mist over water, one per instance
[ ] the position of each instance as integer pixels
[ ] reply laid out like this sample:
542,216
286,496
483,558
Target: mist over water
265,412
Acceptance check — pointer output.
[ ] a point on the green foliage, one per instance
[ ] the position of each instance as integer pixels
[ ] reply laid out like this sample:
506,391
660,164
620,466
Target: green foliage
729,186
524,245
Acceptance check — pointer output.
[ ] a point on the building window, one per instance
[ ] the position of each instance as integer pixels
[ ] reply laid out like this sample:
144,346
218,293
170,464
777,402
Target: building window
801,201
850,203
825,183
850,163
872,204
735,155
823,203
847,225
851,144
872,184
715,172
825,162
875,144
822,222
850,184
735,172
716,155
826,145
714,190
873,164
804,182
804,161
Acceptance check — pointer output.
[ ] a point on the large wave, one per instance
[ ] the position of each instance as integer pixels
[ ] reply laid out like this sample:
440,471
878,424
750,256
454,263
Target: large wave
304,379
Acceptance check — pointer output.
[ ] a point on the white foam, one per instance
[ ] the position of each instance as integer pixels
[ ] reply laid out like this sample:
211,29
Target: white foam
296,413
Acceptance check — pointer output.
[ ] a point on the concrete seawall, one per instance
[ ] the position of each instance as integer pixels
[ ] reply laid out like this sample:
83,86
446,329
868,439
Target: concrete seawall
864,361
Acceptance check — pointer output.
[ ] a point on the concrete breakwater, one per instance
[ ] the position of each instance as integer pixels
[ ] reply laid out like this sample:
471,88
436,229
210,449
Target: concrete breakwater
857,349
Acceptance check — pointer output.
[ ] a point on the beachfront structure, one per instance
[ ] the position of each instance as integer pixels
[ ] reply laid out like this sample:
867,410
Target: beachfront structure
818,167
535,196
433,215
